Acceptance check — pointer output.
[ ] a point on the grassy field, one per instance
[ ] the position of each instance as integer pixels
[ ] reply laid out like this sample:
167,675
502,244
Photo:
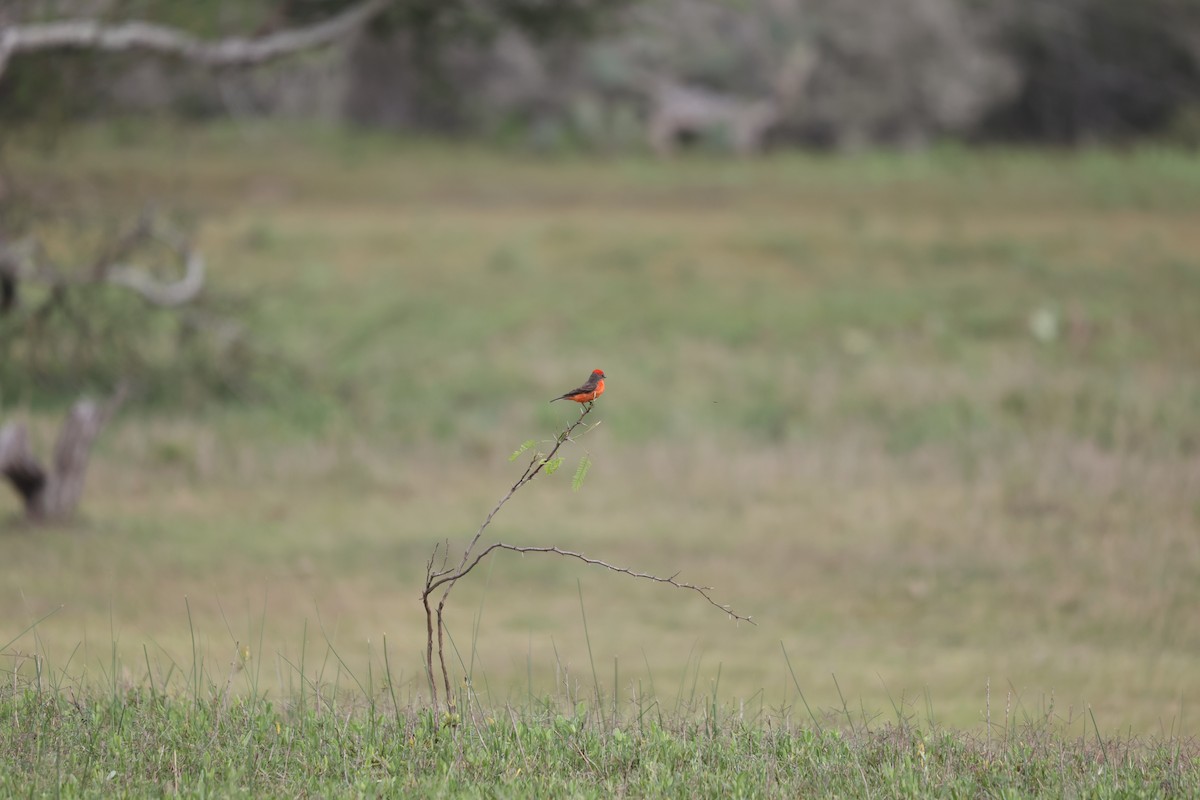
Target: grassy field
933,420
146,744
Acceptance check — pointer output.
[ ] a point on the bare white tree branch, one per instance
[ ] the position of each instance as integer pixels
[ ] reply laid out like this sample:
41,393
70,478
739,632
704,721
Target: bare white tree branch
21,261
151,289
136,35
156,292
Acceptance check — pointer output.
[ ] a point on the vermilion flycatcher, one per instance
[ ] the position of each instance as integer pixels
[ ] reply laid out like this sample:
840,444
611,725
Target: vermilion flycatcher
589,391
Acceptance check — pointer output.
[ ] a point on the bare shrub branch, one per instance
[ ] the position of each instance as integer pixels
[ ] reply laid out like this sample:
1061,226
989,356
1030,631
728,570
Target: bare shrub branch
445,578
670,580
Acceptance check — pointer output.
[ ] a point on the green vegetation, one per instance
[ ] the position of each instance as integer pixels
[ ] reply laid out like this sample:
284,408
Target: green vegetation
145,743
933,420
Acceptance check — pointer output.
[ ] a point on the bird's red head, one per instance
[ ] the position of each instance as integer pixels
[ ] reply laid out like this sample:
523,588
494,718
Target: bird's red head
597,373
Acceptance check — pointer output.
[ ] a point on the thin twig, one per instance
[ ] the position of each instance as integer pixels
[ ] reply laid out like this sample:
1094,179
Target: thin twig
535,466
435,578
671,581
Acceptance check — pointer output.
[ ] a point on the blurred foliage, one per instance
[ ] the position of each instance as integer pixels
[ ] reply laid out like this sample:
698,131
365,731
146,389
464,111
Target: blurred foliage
538,19
37,90
1101,69
55,343
64,333
95,336
416,285
56,87
1089,69
91,337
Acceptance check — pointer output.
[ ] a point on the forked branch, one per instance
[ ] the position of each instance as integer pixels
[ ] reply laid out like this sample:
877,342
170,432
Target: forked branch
444,578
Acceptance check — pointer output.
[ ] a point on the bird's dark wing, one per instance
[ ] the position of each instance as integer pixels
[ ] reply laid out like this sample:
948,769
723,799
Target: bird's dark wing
590,386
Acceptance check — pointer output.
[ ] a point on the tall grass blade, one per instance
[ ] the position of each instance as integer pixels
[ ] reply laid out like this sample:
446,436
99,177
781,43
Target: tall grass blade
591,660
799,691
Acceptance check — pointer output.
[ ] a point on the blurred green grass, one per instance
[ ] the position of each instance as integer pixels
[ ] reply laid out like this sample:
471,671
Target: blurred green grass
934,419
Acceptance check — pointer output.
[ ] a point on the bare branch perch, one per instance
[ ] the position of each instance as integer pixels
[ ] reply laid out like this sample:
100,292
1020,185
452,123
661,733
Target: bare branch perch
149,37
445,578
595,562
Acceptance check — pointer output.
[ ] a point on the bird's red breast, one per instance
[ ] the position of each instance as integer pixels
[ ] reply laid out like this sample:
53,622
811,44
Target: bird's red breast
588,393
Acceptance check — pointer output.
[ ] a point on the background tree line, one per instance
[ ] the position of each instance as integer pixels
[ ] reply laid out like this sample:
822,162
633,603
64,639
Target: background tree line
582,72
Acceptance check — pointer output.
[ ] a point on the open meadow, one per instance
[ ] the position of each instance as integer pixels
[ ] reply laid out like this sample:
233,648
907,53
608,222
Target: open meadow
933,420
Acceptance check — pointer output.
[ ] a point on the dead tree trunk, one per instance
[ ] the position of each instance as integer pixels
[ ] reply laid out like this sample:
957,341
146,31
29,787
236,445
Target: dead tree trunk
53,493
22,469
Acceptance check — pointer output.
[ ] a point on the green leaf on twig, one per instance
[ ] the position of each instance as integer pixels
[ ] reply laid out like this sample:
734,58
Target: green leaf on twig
581,471
553,464
525,445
